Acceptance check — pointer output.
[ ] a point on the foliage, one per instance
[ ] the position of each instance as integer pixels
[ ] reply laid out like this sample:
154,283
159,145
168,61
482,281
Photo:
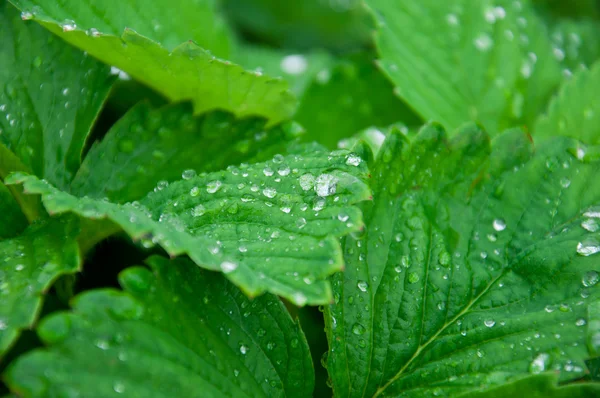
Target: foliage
180,181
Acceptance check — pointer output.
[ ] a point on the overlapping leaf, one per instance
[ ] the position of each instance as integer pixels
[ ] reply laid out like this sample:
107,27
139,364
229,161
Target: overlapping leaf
575,112
50,95
29,265
159,49
175,331
152,145
350,96
269,226
12,220
477,268
487,61
336,24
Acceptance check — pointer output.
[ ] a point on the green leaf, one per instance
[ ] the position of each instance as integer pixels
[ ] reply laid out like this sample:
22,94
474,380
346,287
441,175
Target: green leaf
269,226
539,386
168,23
337,25
183,72
50,96
579,42
30,206
30,264
454,61
348,97
575,112
12,220
158,339
159,144
298,69
477,267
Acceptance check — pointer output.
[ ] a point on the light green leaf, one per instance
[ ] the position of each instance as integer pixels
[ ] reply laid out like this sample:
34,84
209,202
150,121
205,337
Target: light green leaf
579,41
12,220
337,25
476,269
28,267
454,61
180,72
151,145
575,112
50,96
158,338
348,97
269,226
168,23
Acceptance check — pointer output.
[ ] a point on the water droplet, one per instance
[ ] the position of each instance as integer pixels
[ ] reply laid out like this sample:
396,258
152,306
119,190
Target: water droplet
3,324
413,277
489,323
593,212
228,267
539,363
483,42
68,25
353,160
319,204
590,279
444,258
119,387
452,19
195,191
499,224
301,222
362,285
565,182
283,170
267,171
198,211
325,185
188,174
343,217
580,322
307,181
270,192
19,267
213,186
358,329
102,344
299,299
93,32
244,349
294,64
278,158
26,15
588,247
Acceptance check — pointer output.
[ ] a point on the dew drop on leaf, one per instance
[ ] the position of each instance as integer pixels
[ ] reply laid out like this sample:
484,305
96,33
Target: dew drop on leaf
353,160
588,247
499,224
358,329
590,279
539,363
188,174
362,285
198,211
213,186
307,181
244,349
228,267
489,323
413,277
326,185
270,192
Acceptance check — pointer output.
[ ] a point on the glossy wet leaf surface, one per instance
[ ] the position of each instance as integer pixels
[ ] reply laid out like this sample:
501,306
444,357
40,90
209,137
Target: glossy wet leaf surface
50,96
575,112
271,226
477,267
175,60
162,144
29,265
490,62
175,330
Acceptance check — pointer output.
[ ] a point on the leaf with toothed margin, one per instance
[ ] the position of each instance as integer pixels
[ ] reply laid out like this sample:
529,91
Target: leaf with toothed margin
166,59
477,268
165,143
489,61
29,264
50,96
575,112
271,226
175,331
